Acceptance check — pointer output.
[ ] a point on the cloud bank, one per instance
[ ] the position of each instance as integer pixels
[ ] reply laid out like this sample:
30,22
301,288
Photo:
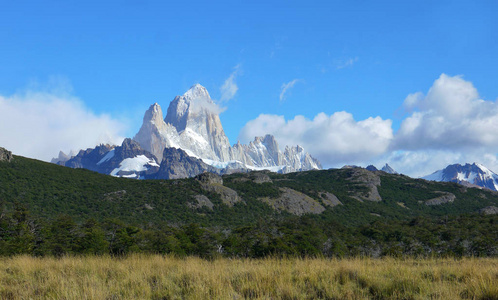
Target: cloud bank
450,116
40,124
333,139
449,124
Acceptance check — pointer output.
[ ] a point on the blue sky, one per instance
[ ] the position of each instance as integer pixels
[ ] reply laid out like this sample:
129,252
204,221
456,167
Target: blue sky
110,60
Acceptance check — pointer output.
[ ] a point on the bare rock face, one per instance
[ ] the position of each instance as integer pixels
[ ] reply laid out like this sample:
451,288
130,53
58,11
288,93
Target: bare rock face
260,177
295,203
5,155
202,201
444,198
155,134
208,178
489,210
330,199
214,183
365,178
177,164
195,117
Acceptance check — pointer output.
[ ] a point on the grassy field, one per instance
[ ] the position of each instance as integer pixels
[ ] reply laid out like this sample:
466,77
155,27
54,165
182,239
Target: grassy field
163,277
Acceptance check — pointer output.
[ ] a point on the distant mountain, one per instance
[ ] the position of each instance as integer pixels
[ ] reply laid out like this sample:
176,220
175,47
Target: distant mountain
192,124
188,141
128,160
470,174
387,168
371,168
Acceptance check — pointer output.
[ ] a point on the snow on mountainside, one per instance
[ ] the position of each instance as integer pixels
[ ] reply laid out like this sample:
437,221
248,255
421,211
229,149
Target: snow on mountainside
192,124
470,174
132,166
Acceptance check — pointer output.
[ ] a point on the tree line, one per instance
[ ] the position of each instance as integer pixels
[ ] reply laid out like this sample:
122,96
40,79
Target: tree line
456,236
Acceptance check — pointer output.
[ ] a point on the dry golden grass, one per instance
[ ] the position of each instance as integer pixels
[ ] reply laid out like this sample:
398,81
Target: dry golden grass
160,277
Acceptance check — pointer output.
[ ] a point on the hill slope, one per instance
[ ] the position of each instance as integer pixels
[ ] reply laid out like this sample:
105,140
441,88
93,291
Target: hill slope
349,196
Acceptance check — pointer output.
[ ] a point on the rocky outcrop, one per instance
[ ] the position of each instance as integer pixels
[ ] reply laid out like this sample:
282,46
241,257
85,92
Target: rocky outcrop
329,199
260,177
363,178
5,155
444,198
214,183
489,210
294,202
208,178
201,201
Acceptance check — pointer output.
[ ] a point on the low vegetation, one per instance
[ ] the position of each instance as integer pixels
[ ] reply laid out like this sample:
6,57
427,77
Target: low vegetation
166,277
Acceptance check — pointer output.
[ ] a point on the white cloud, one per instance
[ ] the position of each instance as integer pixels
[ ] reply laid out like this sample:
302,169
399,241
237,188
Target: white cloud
204,103
229,87
335,140
450,124
412,101
40,124
450,117
286,87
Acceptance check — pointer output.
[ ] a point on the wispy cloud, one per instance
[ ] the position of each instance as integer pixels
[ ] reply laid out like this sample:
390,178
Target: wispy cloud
344,63
229,87
286,87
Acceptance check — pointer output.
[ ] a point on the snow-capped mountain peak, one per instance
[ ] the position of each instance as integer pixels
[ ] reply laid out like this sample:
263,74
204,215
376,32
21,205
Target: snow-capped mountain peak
192,123
196,91
189,141
469,174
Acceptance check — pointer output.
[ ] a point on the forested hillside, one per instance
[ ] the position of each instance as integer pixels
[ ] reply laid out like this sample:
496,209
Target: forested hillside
49,209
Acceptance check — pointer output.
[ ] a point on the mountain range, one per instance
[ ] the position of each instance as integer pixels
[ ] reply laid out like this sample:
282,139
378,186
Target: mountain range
190,140
191,132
